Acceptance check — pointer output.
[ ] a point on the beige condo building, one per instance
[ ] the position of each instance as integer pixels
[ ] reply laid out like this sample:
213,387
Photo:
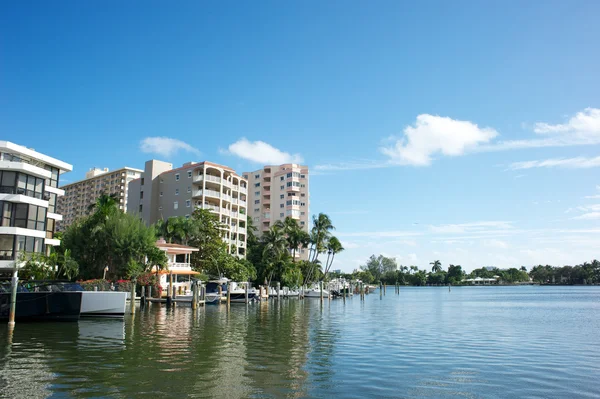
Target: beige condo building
276,192
81,194
162,192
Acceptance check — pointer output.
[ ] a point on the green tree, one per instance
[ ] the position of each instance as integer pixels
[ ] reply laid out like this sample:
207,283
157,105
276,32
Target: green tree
378,265
321,230
437,266
455,274
334,246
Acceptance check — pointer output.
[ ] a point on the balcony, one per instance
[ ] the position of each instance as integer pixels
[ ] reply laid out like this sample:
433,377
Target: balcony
179,266
266,215
199,178
225,211
241,230
226,197
227,183
212,208
242,203
234,214
208,193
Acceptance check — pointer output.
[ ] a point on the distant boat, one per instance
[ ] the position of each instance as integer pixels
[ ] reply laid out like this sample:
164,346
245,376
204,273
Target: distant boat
41,306
316,293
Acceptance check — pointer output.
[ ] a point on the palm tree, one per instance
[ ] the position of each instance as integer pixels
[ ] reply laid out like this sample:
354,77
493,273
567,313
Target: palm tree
321,230
275,247
437,266
104,206
296,237
334,246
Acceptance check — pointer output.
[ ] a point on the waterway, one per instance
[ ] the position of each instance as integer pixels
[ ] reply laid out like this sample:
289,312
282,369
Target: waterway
472,342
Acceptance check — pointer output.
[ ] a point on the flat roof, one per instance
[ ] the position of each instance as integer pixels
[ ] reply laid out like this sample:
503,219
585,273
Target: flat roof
28,152
103,174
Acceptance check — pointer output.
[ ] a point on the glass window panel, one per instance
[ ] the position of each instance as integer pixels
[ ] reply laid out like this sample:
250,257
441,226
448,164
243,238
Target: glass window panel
41,213
29,242
38,245
20,211
40,226
30,183
31,224
8,178
32,214
20,243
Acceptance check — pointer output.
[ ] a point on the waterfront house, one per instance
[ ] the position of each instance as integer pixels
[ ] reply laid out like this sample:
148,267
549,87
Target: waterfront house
482,281
178,266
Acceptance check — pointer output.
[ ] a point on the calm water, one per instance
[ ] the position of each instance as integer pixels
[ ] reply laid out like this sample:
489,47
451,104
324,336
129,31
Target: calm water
479,342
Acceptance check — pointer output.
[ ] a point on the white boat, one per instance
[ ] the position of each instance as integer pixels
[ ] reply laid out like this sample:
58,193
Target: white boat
238,292
315,293
93,303
103,304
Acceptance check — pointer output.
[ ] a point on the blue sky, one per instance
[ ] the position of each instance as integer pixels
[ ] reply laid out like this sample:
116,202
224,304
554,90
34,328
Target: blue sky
463,131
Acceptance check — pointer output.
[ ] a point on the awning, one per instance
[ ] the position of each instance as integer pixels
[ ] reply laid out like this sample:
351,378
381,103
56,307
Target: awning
187,272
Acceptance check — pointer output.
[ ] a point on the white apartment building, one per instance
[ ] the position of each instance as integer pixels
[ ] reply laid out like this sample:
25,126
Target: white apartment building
276,192
81,194
163,192
28,196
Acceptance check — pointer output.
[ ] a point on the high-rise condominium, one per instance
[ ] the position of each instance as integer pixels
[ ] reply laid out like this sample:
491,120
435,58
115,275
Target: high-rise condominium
163,192
79,196
276,192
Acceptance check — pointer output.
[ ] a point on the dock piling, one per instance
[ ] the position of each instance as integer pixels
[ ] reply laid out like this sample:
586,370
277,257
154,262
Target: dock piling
278,290
132,302
246,294
228,296
13,299
194,295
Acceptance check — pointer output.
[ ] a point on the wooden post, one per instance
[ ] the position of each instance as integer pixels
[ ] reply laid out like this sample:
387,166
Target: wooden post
170,290
246,293
149,292
142,297
384,288
228,295
278,290
194,295
13,300
321,288
133,296
220,291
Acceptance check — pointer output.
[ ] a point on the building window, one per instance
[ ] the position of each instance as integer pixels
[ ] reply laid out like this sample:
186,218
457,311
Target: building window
245,177
187,216
189,189
160,208
281,205
176,191
281,196
302,213
257,176
303,204
281,215
140,208
302,223
256,209
302,185
53,180
189,174
282,178
257,193
302,195
23,215
257,201
256,184
188,203
257,219
141,195
175,205
176,176
161,180
142,183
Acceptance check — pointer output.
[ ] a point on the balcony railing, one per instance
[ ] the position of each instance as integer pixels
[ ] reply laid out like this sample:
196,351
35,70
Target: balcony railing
241,230
209,193
213,208
178,265
226,197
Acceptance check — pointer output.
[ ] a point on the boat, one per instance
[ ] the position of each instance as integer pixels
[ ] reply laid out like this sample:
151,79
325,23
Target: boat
238,292
93,303
315,292
41,306
213,294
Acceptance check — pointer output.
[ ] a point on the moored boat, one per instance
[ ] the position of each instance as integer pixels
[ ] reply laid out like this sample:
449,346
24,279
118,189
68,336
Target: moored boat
41,306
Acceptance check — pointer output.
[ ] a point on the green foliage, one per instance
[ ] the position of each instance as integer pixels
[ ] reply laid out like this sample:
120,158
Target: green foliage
455,275
585,273
379,265
57,265
110,238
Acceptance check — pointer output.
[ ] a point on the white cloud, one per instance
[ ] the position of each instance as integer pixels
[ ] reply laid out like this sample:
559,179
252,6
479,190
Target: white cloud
379,234
571,163
261,152
432,134
594,196
470,227
588,216
493,243
583,123
165,146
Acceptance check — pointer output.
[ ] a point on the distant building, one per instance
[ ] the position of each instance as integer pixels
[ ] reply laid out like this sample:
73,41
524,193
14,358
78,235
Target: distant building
28,195
276,192
81,194
162,192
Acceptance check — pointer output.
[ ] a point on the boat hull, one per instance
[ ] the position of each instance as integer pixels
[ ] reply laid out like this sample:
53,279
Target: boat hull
43,306
103,304
241,297
316,294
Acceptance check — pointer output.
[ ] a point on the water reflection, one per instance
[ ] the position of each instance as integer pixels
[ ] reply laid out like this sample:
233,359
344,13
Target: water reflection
421,343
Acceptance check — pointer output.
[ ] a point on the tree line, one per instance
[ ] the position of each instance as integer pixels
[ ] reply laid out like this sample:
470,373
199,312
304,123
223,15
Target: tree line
385,270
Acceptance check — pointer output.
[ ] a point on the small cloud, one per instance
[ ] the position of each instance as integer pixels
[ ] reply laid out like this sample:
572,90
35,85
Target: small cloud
349,245
569,163
470,227
596,196
493,243
591,212
519,176
165,146
431,135
261,152
583,123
